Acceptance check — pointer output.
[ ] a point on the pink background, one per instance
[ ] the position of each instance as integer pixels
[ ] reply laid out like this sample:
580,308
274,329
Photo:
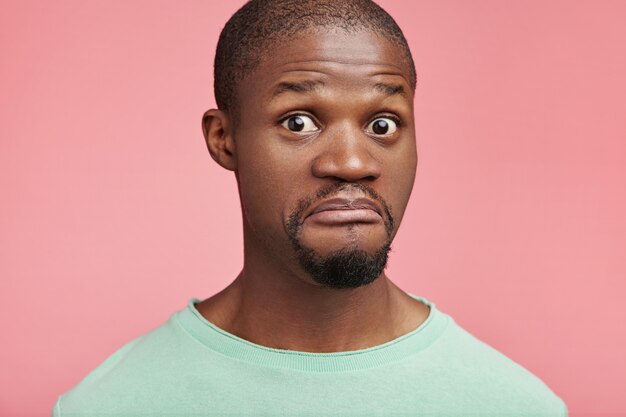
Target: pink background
113,214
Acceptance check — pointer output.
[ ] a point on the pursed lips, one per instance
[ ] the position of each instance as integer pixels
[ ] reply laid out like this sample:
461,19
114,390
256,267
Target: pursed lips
345,204
345,210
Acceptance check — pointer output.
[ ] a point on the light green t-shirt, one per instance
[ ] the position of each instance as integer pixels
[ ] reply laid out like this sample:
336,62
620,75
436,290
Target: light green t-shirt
190,367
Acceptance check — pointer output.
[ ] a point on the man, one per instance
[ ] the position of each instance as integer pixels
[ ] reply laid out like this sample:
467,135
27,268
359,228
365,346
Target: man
315,118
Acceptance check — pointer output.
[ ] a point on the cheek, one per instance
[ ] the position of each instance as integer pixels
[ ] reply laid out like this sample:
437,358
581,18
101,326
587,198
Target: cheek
268,182
400,180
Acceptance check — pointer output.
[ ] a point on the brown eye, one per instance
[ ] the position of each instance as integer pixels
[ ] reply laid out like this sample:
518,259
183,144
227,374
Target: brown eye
382,126
299,123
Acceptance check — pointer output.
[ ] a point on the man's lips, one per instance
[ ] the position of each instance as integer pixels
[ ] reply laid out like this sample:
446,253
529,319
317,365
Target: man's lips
345,204
345,210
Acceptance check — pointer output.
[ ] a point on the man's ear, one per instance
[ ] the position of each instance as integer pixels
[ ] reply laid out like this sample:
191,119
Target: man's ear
218,133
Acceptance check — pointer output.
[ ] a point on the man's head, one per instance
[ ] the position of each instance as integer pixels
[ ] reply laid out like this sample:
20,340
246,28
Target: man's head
257,30
316,119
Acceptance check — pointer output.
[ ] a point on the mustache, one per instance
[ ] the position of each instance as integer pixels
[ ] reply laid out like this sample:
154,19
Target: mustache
295,219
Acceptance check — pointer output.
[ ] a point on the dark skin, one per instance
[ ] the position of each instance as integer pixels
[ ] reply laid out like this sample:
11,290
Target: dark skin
340,85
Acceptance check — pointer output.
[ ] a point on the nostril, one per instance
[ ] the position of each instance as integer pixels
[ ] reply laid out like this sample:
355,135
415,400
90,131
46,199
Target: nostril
368,178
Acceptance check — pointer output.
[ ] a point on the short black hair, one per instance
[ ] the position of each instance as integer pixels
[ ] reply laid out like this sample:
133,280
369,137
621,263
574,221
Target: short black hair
259,24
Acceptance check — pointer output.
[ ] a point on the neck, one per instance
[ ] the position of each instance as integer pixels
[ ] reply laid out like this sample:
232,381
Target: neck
276,306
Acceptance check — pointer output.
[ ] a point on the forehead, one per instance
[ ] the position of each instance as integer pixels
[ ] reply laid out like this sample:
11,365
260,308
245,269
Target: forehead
330,58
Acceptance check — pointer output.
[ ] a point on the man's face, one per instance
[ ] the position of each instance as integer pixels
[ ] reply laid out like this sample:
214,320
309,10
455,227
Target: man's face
326,154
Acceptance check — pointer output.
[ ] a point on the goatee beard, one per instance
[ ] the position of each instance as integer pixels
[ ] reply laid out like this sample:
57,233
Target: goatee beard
345,268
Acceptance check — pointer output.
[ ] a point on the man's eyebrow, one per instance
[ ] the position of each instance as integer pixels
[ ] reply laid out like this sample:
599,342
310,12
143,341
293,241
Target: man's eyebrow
308,86
390,89
297,87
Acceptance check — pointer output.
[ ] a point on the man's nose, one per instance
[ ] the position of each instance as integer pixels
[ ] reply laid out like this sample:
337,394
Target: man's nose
346,154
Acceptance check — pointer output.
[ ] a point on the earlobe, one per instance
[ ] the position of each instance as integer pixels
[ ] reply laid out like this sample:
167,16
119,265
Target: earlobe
219,140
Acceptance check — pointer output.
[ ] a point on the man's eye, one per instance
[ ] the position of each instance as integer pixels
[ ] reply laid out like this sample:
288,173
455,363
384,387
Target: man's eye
382,126
299,123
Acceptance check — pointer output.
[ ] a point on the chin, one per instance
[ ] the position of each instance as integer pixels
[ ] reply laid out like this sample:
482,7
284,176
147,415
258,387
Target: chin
340,263
344,268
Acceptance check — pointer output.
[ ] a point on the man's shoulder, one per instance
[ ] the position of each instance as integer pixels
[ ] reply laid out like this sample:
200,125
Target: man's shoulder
489,372
126,370
464,347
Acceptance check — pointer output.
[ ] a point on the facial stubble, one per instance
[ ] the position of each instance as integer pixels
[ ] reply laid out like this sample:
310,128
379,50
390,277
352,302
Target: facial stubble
348,267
